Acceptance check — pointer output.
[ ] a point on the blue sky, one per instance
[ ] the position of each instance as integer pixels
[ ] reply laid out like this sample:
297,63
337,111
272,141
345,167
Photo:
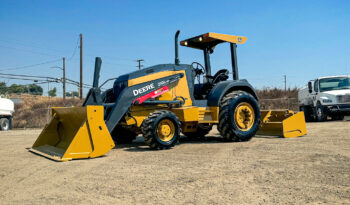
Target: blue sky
300,39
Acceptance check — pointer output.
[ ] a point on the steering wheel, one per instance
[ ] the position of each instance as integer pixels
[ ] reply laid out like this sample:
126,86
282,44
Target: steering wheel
198,70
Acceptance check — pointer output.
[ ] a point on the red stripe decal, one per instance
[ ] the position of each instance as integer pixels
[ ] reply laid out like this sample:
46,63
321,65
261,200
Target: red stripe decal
153,94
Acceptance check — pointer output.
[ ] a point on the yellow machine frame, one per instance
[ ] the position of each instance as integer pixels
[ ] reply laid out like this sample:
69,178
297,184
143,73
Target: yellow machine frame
84,132
189,115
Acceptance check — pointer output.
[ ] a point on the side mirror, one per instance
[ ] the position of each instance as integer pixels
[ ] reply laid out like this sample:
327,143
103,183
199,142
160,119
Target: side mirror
309,85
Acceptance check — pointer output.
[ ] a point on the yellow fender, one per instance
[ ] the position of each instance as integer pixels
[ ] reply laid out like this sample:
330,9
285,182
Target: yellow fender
284,123
74,133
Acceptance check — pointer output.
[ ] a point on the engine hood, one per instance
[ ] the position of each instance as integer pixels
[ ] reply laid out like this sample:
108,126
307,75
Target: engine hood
338,92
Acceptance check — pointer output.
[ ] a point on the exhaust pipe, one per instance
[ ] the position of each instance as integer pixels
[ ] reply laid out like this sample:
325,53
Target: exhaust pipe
98,63
177,60
94,95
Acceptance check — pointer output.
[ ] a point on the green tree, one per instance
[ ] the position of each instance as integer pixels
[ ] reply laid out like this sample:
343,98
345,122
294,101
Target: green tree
35,89
17,89
72,94
52,93
75,94
3,88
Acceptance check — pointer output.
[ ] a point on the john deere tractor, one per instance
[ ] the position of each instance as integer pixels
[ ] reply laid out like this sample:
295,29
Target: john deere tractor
158,102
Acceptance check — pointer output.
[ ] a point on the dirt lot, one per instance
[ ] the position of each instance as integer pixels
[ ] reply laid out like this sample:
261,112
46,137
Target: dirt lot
311,169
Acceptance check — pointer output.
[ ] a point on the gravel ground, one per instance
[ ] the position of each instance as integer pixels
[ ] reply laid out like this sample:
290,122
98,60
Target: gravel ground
266,170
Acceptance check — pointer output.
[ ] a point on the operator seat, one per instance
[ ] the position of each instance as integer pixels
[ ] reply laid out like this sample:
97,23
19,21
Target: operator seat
219,76
202,90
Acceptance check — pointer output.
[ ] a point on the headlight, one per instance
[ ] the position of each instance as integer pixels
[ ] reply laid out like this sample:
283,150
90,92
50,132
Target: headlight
326,100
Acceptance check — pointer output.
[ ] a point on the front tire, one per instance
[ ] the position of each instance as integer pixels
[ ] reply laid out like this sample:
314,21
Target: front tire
320,114
161,130
239,116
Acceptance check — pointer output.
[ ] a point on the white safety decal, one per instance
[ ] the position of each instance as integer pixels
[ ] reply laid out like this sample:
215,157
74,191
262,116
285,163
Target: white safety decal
142,90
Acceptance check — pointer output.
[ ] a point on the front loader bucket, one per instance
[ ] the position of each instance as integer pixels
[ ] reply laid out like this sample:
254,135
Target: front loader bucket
74,133
284,123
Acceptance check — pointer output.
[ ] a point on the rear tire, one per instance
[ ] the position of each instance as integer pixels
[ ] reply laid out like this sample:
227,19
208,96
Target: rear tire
201,131
4,124
161,130
338,117
122,135
307,113
239,116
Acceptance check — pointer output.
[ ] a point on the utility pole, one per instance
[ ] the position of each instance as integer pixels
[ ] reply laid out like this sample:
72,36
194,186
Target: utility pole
81,67
285,82
64,78
139,61
48,87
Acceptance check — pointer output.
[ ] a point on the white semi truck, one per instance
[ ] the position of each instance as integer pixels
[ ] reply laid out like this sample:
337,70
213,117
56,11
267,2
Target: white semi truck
6,111
325,96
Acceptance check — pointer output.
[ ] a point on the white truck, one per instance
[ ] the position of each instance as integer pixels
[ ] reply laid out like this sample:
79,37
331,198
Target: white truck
6,111
326,96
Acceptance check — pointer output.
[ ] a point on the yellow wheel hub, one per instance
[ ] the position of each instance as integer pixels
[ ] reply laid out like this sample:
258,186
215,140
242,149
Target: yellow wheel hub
244,116
166,130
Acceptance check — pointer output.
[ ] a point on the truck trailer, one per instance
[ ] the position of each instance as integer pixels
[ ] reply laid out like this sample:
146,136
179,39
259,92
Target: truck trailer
6,111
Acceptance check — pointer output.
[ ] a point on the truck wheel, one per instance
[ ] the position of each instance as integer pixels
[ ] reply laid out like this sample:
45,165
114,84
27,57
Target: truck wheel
320,115
338,117
161,130
122,135
4,124
307,113
239,116
202,130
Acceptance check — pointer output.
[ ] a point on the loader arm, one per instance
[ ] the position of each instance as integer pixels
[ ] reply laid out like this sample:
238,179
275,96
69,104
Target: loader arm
129,94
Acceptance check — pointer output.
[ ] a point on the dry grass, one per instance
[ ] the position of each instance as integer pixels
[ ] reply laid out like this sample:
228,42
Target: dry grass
275,98
33,111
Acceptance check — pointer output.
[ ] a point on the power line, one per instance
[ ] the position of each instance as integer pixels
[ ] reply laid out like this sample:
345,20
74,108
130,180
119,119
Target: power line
25,77
48,80
110,57
29,66
17,78
23,43
75,49
32,77
117,64
8,74
36,46
38,83
77,83
30,51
